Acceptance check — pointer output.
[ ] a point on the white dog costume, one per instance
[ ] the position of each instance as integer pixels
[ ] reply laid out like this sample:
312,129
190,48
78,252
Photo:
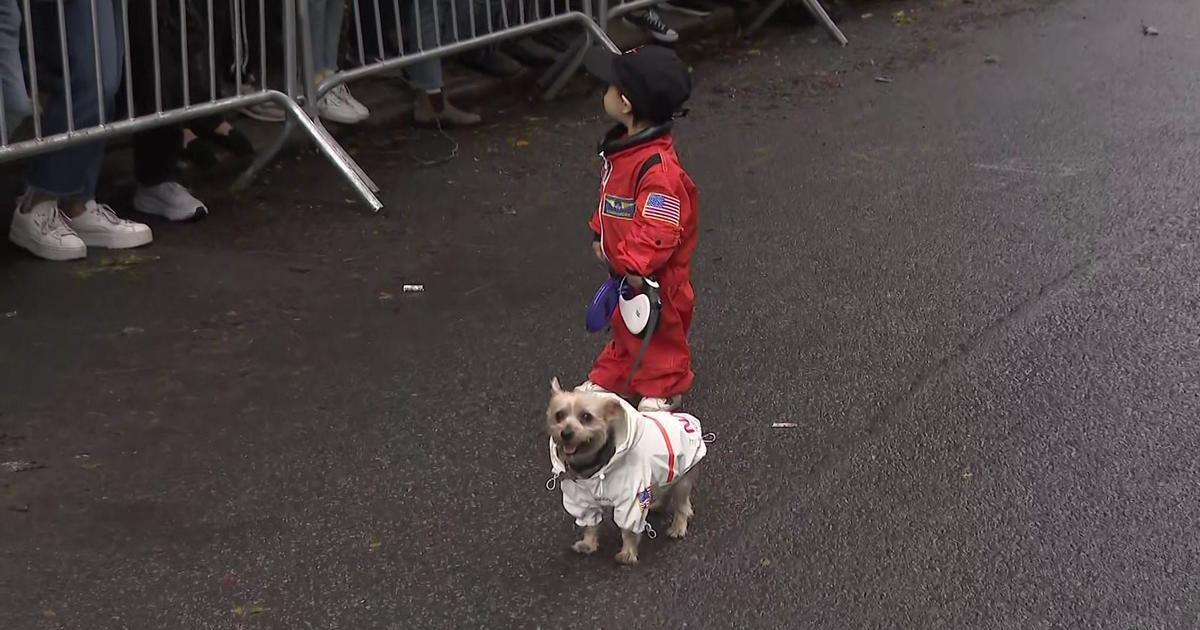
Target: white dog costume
657,450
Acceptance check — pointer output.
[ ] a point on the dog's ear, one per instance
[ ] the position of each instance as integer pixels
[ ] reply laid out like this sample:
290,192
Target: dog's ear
613,410
618,422
555,388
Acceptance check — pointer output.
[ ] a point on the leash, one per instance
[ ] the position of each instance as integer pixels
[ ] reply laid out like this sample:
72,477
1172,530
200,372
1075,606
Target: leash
650,288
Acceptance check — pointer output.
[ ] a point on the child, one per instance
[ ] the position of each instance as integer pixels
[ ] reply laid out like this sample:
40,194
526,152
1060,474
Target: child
645,223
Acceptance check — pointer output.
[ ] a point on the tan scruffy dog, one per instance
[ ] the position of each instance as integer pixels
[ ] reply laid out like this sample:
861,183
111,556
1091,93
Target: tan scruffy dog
607,454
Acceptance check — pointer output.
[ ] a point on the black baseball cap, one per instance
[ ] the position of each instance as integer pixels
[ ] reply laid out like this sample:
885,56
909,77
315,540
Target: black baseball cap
653,78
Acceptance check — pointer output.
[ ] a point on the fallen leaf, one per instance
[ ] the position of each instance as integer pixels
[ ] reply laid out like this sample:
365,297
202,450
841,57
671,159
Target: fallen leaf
521,143
902,18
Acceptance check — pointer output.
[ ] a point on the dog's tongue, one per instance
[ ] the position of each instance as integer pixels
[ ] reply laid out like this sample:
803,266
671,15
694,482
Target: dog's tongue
570,450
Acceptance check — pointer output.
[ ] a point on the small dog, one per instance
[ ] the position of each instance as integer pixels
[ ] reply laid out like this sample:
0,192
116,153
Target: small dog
607,454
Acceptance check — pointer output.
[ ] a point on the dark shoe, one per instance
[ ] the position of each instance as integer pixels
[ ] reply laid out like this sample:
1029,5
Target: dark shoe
437,110
555,40
494,63
200,153
235,142
651,22
529,52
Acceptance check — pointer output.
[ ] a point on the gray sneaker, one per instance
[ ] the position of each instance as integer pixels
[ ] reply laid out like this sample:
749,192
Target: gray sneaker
267,111
169,200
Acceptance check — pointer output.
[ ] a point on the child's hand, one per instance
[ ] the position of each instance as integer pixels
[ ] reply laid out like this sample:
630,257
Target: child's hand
634,281
599,251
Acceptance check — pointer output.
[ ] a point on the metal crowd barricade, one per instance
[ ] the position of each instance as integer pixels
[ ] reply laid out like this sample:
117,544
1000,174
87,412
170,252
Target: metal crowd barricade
814,7
110,125
456,26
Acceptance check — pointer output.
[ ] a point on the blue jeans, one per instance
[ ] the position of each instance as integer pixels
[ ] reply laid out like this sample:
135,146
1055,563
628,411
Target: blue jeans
74,172
325,23
17,106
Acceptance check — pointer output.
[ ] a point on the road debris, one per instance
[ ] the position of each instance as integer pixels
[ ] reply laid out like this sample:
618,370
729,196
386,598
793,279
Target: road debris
22,508
1149,31
414,288
882,79
902,18
132,330
241,612
992,59
867,16
784,425
384,295
21,466
10,315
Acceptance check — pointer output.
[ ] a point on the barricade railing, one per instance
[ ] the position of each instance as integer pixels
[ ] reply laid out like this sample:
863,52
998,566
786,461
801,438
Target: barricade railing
78,53
182,55
394,34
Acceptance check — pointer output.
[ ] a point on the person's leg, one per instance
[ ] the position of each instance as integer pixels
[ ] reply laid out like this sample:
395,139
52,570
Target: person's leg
156,154
426,76
95,223
335,13
70,176
67,173
316,35
17,106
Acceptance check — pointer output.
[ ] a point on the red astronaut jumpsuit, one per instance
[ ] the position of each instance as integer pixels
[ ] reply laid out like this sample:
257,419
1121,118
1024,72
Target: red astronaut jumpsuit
646,223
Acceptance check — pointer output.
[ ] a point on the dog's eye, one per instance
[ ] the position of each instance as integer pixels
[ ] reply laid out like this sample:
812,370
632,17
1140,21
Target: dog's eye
558,417
585,417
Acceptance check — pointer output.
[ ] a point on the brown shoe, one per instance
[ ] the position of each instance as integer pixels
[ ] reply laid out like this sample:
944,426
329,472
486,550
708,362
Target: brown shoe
433,109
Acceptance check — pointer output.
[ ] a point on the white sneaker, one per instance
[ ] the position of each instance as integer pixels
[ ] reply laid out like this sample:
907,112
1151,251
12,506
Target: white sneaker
333,108
170,200
660,404
99,226
45,233
343,93
592,388
266,111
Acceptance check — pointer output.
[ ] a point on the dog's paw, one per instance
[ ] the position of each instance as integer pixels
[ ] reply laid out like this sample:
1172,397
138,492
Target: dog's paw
627,557
678,529
585,547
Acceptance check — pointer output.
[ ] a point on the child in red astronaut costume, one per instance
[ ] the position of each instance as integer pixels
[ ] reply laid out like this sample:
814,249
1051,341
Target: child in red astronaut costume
645,223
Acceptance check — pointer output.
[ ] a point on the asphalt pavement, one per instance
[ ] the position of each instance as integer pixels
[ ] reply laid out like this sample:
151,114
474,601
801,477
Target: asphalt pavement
973,289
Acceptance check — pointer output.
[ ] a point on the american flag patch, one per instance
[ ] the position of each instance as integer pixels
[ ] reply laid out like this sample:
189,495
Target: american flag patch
661,207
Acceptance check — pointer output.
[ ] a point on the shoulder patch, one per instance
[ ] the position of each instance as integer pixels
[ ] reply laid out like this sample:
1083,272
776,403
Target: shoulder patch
660,207
619,207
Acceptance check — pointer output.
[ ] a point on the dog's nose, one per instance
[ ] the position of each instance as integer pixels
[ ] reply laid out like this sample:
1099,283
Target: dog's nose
567,435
